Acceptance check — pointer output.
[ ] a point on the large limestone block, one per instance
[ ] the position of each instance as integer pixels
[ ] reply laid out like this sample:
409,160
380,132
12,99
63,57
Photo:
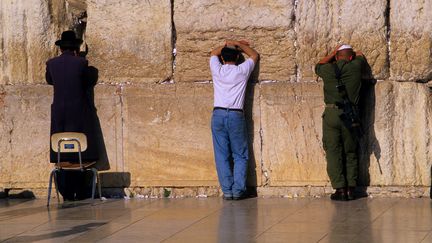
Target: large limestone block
130,40
398,135
394,150
109,127
291,133
252,109
267,24
25,128
5,124
322,24
411,40
28,30
167,139
28,111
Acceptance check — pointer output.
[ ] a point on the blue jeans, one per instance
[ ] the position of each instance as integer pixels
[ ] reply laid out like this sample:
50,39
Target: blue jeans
230,143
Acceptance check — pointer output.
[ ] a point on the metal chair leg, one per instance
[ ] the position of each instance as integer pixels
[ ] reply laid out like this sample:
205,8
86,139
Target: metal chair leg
50,186
95,173
99,186
56,185
94,182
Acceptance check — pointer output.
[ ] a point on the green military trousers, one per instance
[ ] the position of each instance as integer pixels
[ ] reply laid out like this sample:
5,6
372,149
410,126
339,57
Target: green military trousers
341,150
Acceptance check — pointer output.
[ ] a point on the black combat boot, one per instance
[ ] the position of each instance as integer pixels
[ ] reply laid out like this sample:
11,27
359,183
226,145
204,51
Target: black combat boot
339,195
350,193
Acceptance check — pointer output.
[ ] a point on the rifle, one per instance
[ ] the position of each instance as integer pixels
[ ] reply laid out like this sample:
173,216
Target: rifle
349,116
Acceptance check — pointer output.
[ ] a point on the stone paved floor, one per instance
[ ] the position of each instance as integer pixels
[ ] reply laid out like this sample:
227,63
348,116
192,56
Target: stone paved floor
213,220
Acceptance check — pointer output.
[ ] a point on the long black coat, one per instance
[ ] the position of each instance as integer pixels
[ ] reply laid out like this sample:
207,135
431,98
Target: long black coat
71,108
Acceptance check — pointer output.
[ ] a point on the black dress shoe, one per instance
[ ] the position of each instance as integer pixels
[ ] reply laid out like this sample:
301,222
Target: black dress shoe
350,193
339,195
241,197
227,198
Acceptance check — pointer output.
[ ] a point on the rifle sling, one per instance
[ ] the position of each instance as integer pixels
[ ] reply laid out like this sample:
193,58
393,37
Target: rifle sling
338,73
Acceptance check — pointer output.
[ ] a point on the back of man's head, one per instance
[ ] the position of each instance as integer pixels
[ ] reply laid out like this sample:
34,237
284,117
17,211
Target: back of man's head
69,48
230,54
345,52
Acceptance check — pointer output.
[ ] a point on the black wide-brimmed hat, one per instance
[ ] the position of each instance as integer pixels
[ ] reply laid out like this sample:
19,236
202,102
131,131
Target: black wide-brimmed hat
68,39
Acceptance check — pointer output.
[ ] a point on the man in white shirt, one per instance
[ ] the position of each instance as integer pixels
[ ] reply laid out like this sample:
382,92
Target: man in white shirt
228,123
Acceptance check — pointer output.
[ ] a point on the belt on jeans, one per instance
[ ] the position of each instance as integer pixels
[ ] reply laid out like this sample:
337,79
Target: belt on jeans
227,109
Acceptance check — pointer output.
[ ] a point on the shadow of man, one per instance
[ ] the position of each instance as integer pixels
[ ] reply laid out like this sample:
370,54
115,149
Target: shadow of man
93,128
252,181
368,143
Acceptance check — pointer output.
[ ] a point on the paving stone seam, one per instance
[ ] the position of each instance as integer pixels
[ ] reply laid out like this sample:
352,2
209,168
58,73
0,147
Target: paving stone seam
190,225
283,218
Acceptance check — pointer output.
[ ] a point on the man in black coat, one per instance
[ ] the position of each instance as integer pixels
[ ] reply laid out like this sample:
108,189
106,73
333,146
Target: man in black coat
69,74
71,111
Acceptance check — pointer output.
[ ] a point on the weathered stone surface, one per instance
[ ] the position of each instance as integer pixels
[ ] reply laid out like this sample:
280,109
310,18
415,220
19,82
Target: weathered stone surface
253,116
410,40
399,137
130,40
5,148
76,7
28,30
28,112
267,24
168,137
322,24
394,150
76,11
291,133
109,113
25,120
159,135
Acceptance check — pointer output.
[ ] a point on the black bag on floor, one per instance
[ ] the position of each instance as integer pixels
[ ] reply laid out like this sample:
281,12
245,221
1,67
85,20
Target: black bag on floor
74,184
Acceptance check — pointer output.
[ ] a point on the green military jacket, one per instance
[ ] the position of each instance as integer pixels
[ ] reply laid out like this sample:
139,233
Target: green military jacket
351,77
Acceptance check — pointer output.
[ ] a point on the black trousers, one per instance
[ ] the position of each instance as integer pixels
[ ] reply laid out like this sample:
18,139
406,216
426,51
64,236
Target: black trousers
74,185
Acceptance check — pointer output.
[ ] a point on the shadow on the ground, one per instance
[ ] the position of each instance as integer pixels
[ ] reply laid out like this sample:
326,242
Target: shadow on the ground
72,231
26,194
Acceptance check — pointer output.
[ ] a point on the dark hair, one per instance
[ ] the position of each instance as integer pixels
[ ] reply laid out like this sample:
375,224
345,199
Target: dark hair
69,48
229,54
347,53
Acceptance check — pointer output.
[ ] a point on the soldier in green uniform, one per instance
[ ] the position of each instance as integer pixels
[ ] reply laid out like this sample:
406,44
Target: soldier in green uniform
339,140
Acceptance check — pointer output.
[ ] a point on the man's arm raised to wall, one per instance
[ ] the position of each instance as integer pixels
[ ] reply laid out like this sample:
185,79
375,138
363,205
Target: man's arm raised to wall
217,51
330,57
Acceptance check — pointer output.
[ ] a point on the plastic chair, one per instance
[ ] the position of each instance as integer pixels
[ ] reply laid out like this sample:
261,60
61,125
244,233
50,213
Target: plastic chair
71,142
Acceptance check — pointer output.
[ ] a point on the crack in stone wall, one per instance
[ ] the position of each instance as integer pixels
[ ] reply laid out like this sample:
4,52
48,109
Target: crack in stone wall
294,20
174,42
264,171
388,33
119,93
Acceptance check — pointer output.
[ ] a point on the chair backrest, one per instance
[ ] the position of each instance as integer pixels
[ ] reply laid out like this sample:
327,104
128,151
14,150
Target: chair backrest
69,142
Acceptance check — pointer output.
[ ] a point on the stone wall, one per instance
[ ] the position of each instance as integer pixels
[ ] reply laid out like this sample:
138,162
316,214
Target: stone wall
154,95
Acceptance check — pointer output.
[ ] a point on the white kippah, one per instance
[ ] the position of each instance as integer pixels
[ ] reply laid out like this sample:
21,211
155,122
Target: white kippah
344,47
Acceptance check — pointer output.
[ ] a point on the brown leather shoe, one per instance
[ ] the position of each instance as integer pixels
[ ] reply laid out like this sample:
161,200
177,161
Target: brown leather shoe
339,195
350,193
